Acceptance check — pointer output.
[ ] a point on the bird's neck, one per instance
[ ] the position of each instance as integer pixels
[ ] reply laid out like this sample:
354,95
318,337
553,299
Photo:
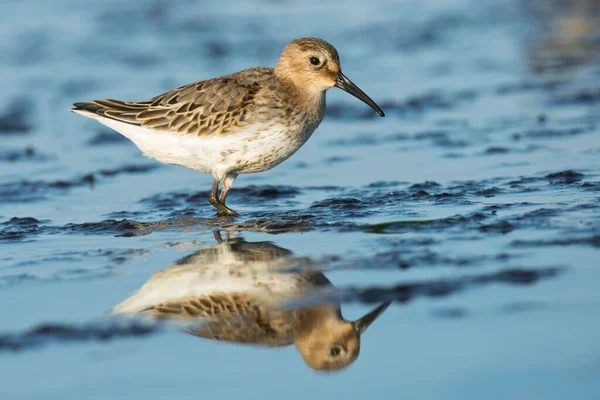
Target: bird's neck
303,97
311,319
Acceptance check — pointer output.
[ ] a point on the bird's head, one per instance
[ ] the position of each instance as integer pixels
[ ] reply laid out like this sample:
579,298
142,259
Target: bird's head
332,344
313,66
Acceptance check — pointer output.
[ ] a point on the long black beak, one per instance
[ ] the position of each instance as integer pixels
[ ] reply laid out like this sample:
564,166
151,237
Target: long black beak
361,325
346,85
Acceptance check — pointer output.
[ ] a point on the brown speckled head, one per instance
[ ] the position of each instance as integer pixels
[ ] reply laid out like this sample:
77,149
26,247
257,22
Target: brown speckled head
330,347
309,63
329,343
312,66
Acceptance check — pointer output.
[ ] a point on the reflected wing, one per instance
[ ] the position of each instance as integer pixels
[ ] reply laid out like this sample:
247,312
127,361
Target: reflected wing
233,317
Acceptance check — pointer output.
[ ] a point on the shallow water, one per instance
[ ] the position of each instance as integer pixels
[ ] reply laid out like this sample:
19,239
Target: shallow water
474,206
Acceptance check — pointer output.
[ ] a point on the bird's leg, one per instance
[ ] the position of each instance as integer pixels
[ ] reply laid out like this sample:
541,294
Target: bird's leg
218,238
227,182
212,199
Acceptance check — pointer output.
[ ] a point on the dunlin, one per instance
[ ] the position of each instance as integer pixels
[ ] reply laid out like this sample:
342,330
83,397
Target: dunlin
246,122
236,292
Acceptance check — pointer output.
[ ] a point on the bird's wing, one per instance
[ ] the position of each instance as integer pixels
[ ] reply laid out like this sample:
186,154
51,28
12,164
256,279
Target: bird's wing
211,107
232,317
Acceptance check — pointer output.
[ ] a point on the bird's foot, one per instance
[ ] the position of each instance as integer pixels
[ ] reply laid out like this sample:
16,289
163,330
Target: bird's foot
226,211
223,210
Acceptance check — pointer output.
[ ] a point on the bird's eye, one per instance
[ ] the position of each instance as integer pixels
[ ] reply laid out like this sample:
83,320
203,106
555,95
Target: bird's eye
315,61
335,351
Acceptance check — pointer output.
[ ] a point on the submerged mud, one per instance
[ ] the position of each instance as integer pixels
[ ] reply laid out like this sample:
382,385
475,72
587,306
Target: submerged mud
44,334
14,119
37,190
346,211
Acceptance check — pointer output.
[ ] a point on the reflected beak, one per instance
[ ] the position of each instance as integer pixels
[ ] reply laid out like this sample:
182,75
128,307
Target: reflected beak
361,325
346,85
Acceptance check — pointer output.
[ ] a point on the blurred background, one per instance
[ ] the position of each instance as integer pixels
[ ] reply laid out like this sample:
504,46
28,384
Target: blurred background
474,205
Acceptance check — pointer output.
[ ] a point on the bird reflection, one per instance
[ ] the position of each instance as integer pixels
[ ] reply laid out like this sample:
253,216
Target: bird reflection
235,291
566,34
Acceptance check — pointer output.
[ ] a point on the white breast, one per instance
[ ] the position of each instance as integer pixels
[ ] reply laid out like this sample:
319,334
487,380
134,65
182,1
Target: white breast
255,149
204,275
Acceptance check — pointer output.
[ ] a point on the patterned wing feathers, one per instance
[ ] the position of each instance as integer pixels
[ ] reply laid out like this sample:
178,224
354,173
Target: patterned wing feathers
235,317
212,107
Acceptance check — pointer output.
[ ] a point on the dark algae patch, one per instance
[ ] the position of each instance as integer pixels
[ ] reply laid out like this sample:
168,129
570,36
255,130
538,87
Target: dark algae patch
183,209
105,138
407,292
431,101
38,190
14,119
127,169
593,241
126,227
28,153
395,226
59,333
564,177
18,229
